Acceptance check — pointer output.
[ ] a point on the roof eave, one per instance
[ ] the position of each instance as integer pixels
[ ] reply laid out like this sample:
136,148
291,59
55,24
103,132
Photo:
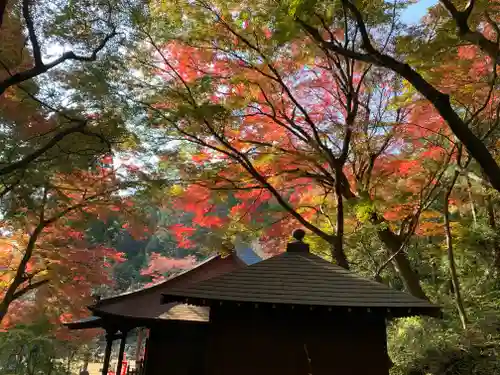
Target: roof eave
87,323
388,311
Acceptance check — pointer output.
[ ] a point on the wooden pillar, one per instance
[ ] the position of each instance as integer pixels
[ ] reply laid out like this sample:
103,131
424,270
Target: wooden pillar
138,352
144,362
107,354
120,353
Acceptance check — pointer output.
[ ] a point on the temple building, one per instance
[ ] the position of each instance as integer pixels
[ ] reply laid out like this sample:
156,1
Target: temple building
296,314
291,314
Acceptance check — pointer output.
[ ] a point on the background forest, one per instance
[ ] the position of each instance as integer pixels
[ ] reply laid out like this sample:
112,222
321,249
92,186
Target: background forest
137,137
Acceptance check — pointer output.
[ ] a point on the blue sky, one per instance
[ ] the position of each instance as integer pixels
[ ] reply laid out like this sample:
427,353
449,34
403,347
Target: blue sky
416,11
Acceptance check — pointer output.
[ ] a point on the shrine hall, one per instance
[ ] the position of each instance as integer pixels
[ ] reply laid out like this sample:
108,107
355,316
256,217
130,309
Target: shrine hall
291,314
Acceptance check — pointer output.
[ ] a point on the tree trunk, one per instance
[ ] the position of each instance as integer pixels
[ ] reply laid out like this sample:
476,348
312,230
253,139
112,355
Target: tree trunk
455,283
410,278
451,256
338,246
393,244
471,198
13,294
4,307
338,255
10,293
496,242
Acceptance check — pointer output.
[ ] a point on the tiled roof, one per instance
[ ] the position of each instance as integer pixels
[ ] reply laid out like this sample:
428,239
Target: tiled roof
145,303
172,311
299,279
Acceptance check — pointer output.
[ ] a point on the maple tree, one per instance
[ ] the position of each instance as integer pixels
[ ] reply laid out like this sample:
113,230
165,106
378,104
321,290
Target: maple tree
60,132
283,143
159,266
41,114
44,243
263,166
484,14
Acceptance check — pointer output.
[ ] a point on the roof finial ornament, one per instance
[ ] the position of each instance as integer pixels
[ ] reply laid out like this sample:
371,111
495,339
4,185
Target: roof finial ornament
298,246
298,234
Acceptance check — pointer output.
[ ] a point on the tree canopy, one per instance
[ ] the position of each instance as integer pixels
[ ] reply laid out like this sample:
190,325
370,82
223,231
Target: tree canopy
140,136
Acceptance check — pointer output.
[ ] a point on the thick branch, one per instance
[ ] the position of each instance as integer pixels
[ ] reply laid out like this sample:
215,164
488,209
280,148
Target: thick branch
331,46
41,68
18,278
338,247
37,53
24,162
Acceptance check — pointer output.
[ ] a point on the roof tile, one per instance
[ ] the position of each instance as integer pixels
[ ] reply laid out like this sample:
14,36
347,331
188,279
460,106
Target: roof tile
300,279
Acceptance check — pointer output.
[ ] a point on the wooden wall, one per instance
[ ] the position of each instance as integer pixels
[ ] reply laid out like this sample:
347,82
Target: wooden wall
176,348
299,343
270,342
